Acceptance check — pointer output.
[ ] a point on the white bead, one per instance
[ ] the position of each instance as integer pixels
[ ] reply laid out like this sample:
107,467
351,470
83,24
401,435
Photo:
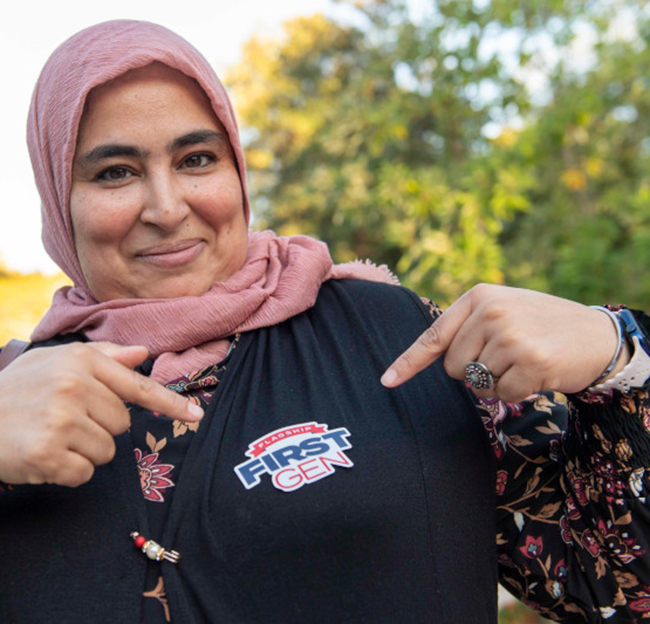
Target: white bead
153,550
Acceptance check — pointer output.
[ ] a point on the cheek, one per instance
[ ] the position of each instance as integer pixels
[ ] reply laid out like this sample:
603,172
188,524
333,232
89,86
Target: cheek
219,202
99,218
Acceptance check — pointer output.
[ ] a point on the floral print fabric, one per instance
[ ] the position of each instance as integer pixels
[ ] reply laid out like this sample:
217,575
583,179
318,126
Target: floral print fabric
573,524
160,445
153,479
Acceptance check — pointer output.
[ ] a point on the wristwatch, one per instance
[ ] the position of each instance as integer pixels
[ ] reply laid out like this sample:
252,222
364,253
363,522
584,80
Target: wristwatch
635,325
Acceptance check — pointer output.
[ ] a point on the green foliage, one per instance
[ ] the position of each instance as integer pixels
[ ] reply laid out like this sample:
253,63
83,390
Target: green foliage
413,139
589,152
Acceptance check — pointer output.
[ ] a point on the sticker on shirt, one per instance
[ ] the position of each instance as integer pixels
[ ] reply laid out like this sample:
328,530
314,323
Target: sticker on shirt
295,456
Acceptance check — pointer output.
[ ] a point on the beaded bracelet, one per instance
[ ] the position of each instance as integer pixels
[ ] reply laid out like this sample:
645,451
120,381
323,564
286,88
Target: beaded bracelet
620,340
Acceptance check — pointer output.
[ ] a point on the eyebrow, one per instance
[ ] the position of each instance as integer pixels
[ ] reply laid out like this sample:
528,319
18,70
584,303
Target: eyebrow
102,152
199,136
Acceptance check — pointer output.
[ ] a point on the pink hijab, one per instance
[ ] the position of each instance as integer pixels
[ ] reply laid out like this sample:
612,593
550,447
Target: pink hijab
281,276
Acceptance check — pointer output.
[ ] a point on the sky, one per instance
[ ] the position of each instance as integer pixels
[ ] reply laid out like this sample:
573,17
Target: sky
36,27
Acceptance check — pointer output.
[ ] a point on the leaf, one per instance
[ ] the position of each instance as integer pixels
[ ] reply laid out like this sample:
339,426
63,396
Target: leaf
181,428
571,607
619,599
624,519
548,511
552,428
160,445
151,441
519,471
517,440
544,404
533,482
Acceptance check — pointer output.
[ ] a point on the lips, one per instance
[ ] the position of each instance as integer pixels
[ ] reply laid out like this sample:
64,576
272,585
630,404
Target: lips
174,255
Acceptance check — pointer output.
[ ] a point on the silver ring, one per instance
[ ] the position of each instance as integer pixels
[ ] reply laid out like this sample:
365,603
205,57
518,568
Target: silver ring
479,376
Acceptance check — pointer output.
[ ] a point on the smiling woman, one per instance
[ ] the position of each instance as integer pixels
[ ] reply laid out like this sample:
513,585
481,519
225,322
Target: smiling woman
288,483
156,194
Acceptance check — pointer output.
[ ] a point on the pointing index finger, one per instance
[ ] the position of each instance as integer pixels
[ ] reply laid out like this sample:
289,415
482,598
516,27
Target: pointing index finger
155,397
430,345
139,389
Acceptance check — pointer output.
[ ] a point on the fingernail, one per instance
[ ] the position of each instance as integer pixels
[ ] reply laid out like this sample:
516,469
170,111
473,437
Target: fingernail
195,410
389,377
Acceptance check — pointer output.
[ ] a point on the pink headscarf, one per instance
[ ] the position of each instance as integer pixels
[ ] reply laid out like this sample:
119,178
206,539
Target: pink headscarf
281,276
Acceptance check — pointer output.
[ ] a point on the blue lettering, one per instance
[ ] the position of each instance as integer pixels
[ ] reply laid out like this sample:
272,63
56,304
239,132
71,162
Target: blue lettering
283,455
339,435
248,471
313,446
270,462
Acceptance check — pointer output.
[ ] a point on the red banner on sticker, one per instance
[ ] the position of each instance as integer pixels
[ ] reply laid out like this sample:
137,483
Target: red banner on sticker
259,446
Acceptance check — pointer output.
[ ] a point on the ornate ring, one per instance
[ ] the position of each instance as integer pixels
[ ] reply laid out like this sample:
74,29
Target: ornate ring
479,376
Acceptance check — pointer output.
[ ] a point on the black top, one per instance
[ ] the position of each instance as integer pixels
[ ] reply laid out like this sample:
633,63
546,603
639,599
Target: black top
310,493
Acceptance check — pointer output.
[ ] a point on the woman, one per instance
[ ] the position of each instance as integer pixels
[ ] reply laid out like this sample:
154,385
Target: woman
309,491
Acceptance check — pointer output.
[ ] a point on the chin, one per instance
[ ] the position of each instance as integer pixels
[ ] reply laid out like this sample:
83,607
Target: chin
179,288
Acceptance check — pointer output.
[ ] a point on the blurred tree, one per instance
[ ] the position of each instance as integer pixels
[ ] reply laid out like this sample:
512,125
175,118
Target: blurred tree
365,136
588,152
412,137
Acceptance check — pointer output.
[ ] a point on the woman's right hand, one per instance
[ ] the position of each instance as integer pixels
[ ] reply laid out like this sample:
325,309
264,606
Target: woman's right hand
60,408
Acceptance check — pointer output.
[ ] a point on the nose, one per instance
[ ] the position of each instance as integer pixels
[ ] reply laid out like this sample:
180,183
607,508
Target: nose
165,205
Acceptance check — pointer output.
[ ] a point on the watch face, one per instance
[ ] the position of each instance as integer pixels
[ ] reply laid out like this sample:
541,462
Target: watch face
636,325
643,323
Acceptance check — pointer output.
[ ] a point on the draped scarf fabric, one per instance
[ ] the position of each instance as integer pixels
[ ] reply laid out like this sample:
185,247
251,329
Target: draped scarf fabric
280,278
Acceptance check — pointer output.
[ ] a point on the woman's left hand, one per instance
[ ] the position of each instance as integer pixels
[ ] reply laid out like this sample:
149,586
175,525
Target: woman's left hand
529,341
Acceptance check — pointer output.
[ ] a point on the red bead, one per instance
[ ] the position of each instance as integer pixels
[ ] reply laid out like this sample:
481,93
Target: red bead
139,541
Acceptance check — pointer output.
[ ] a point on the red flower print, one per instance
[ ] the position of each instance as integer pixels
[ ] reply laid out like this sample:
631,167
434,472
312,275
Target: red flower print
641,606
572,507
152,476
589,542
505,560
579,489
618,541
502,479
533,548
560,570
516,409
496,409
567,538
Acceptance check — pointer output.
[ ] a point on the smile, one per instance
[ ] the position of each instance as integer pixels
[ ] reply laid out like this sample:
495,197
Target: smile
173,256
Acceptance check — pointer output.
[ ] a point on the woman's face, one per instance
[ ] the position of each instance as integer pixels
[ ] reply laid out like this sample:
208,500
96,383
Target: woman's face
156,199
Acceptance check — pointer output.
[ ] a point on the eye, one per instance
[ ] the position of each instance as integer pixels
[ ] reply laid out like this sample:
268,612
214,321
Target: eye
198,161
114,174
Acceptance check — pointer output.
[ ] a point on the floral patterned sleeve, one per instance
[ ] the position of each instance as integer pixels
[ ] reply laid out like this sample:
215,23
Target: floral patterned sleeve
573,520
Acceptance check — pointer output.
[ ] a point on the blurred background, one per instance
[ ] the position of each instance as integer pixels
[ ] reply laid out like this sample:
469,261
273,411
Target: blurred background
457,141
